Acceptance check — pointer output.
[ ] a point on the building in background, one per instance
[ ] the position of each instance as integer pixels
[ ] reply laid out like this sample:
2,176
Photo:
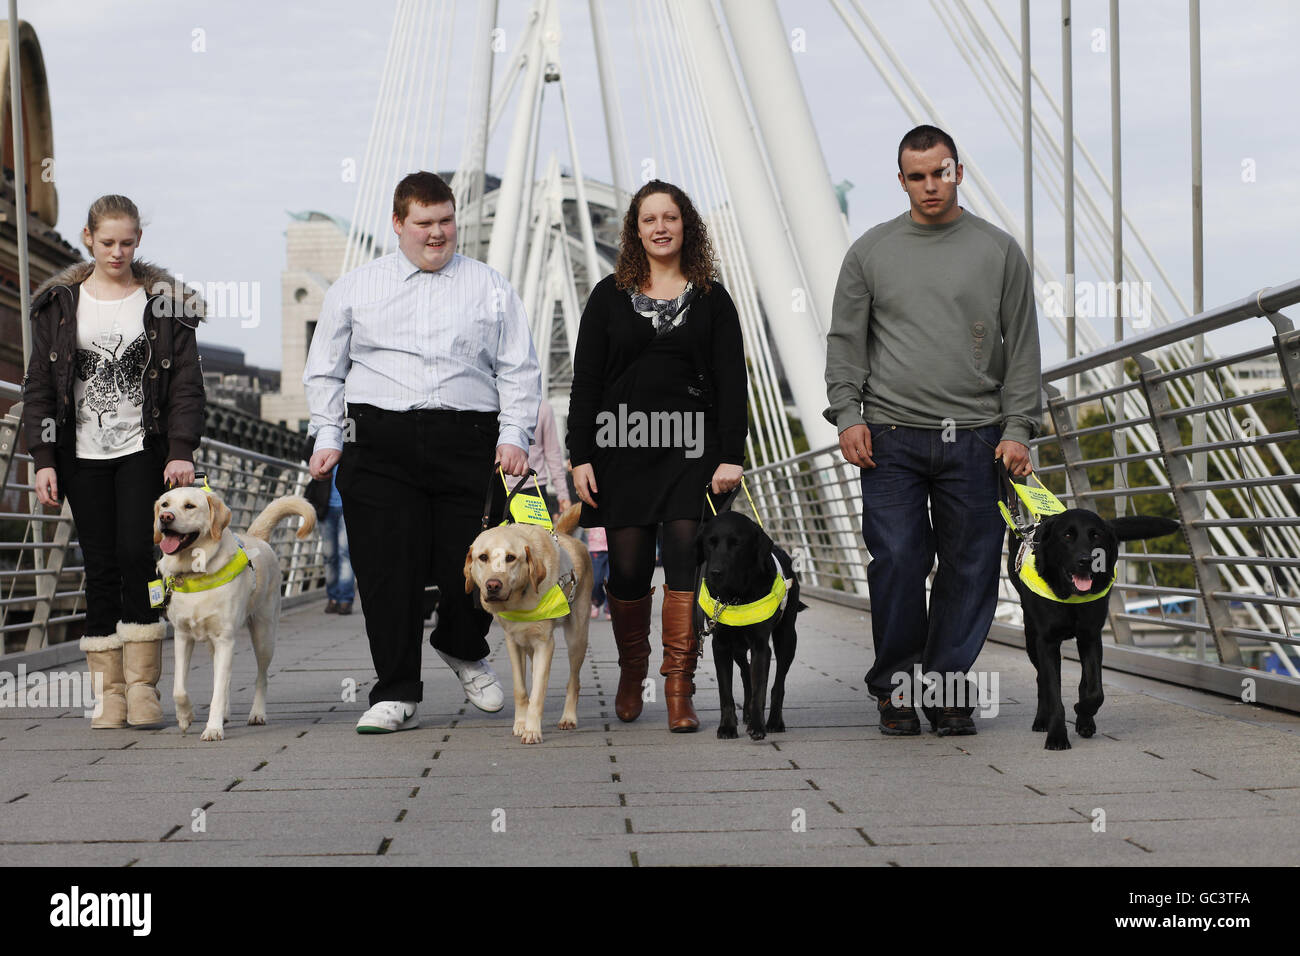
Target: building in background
314,244
47,251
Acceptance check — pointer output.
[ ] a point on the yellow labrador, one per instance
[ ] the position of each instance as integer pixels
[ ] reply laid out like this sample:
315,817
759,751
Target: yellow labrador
192,527
514,569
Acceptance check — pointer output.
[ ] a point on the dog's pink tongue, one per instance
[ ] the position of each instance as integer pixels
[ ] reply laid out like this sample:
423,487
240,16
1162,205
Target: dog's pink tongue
1083,582
170,543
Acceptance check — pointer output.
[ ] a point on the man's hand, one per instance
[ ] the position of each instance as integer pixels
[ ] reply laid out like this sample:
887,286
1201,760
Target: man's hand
584,482
725,478
47,487
323,461
513,460
855,446
1015,456
178,473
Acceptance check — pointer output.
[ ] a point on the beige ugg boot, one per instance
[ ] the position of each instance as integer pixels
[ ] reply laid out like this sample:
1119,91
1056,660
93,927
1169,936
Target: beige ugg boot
104,661
142,666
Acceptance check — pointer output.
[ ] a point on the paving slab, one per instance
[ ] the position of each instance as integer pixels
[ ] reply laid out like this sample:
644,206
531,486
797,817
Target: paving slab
1184,778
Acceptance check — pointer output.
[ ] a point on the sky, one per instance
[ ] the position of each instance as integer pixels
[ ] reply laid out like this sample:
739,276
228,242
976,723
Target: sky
219,119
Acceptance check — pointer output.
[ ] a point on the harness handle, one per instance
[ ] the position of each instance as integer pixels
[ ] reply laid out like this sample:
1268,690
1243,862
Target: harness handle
728,498
510,492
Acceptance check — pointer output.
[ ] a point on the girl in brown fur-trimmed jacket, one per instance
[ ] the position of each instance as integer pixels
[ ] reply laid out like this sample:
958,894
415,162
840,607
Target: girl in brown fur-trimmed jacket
113,410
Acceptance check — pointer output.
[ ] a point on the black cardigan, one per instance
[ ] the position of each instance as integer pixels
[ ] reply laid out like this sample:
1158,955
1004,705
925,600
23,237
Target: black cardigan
612,335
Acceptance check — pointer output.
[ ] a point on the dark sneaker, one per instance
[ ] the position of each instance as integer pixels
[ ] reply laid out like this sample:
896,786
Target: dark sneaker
898,721
345,608
332,607
954,722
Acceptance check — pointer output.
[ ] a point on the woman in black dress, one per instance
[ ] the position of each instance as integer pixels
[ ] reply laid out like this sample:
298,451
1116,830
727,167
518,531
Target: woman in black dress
656,414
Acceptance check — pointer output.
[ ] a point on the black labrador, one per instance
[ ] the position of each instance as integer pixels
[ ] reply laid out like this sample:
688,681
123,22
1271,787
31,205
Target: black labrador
1075,553
736,562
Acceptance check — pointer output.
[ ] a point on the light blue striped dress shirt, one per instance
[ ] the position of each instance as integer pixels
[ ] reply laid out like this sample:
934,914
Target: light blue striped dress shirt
393,336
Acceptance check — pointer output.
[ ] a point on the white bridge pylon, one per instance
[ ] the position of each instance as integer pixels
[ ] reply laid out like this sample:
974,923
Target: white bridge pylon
725,111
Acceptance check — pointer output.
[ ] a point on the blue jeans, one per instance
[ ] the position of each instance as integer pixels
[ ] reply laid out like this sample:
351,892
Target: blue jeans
963,527
600,570
339,583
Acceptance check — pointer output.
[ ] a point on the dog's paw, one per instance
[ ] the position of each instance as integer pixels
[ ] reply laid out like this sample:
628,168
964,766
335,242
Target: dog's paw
775,724
568,723
519,727
1040,724
1086,726
531,736
184,712
256,720
212,733
726,731
1057,743
757,733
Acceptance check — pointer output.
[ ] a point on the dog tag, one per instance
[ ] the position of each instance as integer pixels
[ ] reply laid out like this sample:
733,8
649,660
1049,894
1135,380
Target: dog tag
156,593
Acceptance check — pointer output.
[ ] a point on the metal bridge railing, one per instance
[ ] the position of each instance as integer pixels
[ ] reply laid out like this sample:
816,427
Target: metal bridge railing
42,578
1140,426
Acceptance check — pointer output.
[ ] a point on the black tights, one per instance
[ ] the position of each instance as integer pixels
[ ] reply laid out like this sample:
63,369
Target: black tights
632,558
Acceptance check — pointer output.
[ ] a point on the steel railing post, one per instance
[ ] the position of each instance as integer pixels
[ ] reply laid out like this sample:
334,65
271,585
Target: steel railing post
1190,510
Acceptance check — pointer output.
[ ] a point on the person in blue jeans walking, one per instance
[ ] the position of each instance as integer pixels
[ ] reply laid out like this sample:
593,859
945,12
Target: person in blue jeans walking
340,587
932,374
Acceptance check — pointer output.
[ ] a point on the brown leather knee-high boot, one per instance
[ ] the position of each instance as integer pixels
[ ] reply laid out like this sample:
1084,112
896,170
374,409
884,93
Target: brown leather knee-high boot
681,651
631,620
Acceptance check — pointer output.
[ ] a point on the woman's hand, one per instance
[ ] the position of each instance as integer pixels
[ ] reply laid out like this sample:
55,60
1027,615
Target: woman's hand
584,482
47,487
178,473
726,478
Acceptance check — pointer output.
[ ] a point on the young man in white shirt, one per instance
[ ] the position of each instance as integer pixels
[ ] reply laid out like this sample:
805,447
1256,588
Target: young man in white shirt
421,375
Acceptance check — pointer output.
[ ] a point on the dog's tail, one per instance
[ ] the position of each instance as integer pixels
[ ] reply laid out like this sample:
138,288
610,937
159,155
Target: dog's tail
569,520
280,509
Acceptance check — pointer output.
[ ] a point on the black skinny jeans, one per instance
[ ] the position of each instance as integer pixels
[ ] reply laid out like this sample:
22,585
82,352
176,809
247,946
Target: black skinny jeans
112,503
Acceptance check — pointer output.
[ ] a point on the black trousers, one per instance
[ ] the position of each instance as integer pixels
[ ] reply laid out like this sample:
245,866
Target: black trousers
413,485
112,504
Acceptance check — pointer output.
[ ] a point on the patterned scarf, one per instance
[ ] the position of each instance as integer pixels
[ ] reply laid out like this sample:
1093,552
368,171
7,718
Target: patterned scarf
665,314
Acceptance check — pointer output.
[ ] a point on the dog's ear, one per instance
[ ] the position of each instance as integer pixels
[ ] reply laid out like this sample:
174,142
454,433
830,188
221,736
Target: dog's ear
469,570
1137,527
220,517
157,532
536,569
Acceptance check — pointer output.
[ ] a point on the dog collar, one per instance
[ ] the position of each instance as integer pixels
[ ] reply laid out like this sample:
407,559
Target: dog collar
740,615
555,602
1035,582
213,579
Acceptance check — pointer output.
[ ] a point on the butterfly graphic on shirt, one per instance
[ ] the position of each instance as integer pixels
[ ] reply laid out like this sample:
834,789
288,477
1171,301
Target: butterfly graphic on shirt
115,373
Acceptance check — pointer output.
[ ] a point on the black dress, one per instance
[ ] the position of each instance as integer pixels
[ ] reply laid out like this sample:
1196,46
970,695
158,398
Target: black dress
654,414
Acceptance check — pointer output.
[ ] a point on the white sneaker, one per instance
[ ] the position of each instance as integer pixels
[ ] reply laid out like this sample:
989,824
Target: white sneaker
388,716
482,686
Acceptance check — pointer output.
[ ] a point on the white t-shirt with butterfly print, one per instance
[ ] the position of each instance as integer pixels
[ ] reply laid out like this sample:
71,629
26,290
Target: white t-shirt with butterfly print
108,385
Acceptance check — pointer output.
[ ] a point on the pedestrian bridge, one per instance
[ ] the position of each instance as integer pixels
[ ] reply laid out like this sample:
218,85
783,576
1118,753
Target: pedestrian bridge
1173,776
1196,761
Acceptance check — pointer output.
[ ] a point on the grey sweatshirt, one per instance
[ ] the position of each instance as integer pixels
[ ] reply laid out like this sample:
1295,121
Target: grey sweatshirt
933,324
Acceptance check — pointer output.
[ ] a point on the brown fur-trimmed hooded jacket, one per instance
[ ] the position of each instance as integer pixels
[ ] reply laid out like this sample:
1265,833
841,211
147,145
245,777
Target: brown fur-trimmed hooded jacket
173,380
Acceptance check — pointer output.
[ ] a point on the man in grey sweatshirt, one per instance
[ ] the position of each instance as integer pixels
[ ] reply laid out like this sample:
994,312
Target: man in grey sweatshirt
932,374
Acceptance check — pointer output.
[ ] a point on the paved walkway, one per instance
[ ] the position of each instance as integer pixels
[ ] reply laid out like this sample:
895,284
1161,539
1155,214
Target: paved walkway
1182,777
